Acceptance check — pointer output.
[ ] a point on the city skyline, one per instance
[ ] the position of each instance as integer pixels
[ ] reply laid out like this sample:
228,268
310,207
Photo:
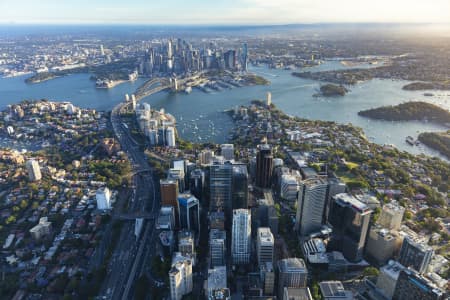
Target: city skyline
243,12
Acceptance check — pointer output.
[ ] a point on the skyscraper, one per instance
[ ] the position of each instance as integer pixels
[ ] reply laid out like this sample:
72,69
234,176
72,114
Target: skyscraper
169,196
350,221
239,186
34,172
264,166
391,216
170,137
241,236
220,185
189,212
217,247
310,206
227,151
180,277
292,273
415,253
197,183
264,245
411,285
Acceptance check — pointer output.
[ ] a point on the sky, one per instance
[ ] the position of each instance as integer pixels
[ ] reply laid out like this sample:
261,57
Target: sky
237,12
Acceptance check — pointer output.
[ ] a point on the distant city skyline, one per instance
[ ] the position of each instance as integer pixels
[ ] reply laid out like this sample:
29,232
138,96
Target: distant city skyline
220,12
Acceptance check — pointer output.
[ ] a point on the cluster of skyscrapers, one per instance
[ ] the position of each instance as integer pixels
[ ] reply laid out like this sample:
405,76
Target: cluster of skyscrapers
179,57
157,126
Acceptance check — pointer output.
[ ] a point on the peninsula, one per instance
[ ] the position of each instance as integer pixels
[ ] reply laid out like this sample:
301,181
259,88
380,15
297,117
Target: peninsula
409,111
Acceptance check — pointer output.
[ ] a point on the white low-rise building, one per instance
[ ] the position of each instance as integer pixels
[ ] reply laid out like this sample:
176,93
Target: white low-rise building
103,197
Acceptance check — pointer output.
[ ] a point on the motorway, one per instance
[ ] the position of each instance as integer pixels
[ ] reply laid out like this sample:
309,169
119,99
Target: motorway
130,255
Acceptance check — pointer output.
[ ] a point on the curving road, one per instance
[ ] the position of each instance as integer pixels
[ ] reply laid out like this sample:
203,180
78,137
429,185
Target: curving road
131,256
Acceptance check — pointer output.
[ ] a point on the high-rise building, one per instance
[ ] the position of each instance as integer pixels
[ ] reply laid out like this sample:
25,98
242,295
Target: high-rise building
391,216
264,245
227,151
241,236
103,198
289,186
264,166
169,196
217,247
186,244
177,175
166,218
296,294
267,277
292,273
217,281
239,186
334,290
387,279
34,172
310,206
220,185
197,183
180,277
415,253
269,99
335,186
411,285
205,157
170,137
382,244
350,221
189,212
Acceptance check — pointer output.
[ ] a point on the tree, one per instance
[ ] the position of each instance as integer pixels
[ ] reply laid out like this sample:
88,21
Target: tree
371,272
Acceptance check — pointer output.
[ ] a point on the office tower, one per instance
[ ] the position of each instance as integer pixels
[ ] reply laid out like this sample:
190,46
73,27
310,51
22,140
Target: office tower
178,176
382,244
180,277
350,221
220,186
292,273
102,50
217,220
273,219
332,290
34,172
186,244
289,188
267,274
205,157
197,183
189,212
296,294
264,166
227,151
387,280
311,203
411,285
239,186
415,253
169,196
217,247
166,218
217,281
391,216
241,236
264,245
269,99
244,56
103,198
170,137
335,186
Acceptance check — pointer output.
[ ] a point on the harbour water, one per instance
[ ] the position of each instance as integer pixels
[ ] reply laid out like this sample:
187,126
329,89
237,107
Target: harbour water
200,115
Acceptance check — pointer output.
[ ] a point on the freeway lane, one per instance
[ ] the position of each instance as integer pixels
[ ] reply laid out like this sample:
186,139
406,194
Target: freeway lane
129,253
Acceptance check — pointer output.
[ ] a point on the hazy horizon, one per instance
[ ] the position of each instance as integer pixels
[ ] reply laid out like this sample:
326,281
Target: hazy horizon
221,12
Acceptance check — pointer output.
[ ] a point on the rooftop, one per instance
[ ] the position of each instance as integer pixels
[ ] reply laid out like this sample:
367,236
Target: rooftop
292,265
348,200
